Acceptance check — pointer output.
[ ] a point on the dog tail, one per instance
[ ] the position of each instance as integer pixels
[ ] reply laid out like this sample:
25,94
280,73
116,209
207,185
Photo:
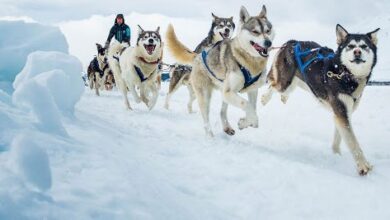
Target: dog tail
180,52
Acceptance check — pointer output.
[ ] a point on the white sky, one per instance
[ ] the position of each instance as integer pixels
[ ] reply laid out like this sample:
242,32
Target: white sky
327,11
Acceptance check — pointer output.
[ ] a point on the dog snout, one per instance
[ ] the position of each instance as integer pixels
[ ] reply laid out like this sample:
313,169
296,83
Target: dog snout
267,43
227,30
357,53
151,41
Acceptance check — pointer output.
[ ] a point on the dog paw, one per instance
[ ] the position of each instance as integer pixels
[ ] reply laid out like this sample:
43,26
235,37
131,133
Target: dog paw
284,99
363,168
230,131
336,150
265,99
245,123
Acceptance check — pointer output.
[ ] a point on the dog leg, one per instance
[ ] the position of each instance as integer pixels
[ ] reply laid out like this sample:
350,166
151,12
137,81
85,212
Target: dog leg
97,84
225,122
252,97
342,108
267,96
336,142
153,100
229,91
192,98
123,89
167,99
204,95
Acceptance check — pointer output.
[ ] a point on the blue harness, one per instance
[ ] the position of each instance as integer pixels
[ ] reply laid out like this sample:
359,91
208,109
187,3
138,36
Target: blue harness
140,74
299,55
249,80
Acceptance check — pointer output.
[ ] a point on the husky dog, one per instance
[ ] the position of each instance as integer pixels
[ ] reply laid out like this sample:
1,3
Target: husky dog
233,66
137,67
99,71
336,79
180,75
221,28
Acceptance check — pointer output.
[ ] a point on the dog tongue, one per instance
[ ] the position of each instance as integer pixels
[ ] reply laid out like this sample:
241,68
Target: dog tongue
257,47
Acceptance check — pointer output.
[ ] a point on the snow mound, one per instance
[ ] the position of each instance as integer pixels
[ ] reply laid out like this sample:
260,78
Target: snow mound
59,73
32,162
20,40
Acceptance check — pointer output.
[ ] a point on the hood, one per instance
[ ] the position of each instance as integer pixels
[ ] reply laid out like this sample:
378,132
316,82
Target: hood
119,16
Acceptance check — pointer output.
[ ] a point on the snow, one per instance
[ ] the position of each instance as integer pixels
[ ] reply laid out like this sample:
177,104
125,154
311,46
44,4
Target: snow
67,154
18,40
32,162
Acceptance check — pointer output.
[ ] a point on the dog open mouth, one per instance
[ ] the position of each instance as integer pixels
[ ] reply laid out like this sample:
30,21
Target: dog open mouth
150,48
358,61
224,35
261,50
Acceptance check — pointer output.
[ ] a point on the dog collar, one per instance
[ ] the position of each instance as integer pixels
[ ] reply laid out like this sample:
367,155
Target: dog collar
147,62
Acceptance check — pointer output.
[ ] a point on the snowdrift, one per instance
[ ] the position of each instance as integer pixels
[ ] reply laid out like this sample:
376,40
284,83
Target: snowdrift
18,40
46,92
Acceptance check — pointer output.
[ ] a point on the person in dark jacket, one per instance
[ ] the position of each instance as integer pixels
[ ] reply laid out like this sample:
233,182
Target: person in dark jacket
120,30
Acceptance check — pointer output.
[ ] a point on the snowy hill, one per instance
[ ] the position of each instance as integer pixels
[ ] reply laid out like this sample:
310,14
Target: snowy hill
19,39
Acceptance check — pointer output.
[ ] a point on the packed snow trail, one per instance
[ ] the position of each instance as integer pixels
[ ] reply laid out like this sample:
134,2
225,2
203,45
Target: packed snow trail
159,165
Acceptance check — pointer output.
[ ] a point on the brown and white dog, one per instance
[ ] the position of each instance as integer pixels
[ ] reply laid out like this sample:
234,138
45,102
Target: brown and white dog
337,80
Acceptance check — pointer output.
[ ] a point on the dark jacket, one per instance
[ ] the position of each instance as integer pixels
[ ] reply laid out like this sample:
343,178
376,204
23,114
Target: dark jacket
121,32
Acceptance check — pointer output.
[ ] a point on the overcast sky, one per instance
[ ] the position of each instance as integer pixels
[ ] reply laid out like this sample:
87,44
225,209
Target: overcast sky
329,11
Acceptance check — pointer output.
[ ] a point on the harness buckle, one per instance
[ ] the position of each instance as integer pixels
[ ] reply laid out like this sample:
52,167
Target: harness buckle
331,74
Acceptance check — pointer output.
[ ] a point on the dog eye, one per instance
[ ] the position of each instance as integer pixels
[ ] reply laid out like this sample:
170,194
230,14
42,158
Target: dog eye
363,46
255,32
268,31
351,46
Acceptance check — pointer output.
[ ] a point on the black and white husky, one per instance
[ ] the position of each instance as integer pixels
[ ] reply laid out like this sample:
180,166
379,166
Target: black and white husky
336,79
99,73
221,28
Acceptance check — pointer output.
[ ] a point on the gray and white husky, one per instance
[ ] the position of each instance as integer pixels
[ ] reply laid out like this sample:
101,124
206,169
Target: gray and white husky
233,66
221,28
137,67
336,79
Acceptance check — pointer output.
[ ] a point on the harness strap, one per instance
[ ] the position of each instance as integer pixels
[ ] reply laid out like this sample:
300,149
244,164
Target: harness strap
248,79
204,58
299,54
141,74
145,61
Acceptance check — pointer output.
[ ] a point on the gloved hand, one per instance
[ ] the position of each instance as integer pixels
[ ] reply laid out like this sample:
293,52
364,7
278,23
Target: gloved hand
107,45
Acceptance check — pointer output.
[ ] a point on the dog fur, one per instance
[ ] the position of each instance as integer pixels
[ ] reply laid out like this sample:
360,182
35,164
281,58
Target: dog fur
340,91
221,28
146,55
248,49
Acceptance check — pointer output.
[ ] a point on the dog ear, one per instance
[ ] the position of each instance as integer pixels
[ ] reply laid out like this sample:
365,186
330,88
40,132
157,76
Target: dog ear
373,35
98,46
214,16
263,12
140,30
158,29
244,15
231,18
341,34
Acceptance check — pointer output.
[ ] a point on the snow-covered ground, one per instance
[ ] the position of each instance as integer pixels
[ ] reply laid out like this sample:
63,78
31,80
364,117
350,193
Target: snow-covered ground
68,154
118,164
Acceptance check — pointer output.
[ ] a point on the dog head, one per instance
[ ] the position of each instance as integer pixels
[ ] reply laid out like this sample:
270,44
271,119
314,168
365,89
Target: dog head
222,28
101,55
149,42
256,34
357,51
